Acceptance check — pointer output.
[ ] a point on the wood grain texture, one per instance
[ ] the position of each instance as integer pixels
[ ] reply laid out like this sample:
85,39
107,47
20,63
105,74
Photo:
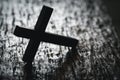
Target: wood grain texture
96,58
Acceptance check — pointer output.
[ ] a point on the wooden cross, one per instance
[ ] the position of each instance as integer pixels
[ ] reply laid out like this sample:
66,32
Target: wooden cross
38,34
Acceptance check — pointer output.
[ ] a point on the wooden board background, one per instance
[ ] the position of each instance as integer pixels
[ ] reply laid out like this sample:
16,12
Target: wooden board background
97,56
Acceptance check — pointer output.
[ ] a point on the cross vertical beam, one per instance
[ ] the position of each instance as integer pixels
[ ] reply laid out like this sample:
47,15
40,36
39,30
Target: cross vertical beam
40,26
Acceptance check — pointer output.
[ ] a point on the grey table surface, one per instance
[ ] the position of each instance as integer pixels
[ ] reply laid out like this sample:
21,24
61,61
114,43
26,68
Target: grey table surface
97,56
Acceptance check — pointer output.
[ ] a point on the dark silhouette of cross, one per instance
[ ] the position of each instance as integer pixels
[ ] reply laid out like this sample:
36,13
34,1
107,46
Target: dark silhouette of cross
39,34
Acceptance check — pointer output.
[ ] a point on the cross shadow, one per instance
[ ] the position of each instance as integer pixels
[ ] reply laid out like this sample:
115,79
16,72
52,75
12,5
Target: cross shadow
70,62
28,71
59,74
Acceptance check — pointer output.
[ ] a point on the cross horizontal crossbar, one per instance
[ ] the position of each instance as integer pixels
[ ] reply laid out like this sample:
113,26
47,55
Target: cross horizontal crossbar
45,37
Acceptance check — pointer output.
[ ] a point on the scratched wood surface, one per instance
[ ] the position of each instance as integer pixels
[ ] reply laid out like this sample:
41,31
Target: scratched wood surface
97,56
